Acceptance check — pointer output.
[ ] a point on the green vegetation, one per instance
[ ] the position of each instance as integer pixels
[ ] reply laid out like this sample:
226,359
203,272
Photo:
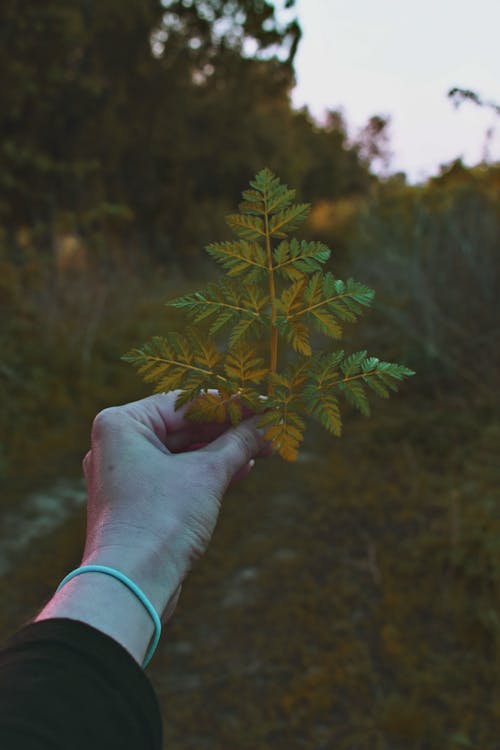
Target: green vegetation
259,306
349,599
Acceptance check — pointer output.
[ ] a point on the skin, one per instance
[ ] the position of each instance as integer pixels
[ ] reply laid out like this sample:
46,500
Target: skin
155,486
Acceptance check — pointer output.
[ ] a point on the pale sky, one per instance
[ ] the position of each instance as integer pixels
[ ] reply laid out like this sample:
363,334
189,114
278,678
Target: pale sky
400,58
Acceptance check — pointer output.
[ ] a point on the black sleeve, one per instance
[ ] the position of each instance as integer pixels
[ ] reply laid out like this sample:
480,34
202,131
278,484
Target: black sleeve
64,684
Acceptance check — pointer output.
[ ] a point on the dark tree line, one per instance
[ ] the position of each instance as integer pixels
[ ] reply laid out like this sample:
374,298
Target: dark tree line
143,120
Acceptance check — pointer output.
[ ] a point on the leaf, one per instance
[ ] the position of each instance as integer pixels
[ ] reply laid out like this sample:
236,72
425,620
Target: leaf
227,301
279,199
247,227
326,323
243,365
285,430
324,368
205,353
355,393
324,407
298,335
173,361
234,411
293,259
289,219
380,375
291,298
239,257
275,293
352,363
208,407
283,262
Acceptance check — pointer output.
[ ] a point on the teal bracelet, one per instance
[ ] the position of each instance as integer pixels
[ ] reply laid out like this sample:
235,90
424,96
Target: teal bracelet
135,589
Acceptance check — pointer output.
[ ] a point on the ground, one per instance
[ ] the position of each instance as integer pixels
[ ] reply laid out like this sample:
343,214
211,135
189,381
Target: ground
347,601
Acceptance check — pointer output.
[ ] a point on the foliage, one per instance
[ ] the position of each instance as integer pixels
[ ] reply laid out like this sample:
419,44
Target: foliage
113,116
280,295
432,252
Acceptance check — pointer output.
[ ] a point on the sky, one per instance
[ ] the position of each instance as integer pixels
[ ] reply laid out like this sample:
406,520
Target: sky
399,58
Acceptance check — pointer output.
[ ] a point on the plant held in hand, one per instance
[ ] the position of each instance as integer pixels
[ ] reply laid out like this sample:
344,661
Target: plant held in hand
274,293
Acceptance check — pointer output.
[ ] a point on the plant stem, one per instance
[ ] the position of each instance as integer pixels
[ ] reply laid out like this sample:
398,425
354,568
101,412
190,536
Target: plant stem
273,356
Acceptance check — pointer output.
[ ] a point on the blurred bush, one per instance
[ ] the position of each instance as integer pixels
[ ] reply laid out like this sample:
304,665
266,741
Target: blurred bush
432,254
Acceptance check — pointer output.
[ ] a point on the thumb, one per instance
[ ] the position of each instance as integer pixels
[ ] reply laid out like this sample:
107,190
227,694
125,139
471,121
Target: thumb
237,445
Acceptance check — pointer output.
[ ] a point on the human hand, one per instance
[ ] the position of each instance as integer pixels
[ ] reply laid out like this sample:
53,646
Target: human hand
153,501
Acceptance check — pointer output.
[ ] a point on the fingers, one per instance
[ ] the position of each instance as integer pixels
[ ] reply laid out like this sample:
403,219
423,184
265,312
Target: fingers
243,471
194,435
237,446
177,433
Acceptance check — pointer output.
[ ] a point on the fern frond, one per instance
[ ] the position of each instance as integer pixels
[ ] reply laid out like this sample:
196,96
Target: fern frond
238,257
289,219
359,369
292,298
354,392
293,377
280,198
175,361
245,226
324,407
321,402
293,259
242,306
208,407
275,199
275,291
243,366
352,363
326,298
297,335
285,429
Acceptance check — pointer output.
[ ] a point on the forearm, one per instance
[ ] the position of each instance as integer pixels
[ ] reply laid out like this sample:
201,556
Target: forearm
106,604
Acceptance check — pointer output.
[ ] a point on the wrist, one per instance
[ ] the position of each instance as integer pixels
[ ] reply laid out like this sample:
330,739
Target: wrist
151,561
106,604
156,580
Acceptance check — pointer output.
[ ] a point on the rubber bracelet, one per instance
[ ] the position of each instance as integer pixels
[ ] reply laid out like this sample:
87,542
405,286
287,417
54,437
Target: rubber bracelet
134,588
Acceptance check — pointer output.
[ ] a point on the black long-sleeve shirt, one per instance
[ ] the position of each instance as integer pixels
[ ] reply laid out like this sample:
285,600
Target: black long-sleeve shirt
67,686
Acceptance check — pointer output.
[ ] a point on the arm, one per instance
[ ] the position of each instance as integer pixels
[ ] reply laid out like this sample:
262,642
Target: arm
153,504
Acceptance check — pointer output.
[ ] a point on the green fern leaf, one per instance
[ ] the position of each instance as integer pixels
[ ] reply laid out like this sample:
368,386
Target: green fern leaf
243,366
239,257
291,299
173,360
247,227
227,301
234,411
263,180
355,393
274,294
352,364
283,262
289,219
298,335
208,407
285,429
323,406
293,259
253,197
279,199
242,329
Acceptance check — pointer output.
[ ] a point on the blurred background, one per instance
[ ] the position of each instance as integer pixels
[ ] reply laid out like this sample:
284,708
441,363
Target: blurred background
350,600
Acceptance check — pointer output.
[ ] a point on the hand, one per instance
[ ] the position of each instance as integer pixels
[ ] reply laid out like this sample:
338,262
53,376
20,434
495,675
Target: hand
153,501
